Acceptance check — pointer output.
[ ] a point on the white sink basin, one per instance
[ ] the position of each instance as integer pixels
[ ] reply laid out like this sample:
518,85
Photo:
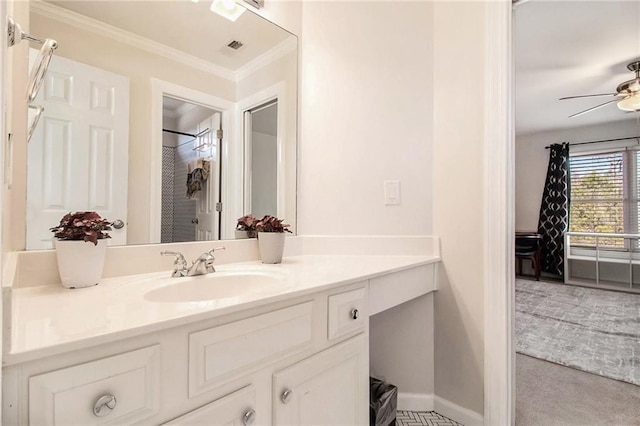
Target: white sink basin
219,285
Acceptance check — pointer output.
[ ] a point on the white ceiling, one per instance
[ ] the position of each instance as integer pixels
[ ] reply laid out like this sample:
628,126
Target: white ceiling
568,48
187,26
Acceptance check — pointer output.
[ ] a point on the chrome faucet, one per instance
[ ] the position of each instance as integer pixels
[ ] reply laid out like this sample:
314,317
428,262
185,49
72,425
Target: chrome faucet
201,266
204,263
179,265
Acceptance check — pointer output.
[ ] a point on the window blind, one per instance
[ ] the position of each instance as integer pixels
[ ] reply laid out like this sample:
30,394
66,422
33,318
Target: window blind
598,196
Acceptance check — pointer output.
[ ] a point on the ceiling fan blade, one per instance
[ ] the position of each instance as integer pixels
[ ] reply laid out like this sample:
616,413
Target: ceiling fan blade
592,108
589,96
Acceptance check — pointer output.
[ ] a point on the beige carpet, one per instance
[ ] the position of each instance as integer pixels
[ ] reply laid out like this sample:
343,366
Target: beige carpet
549,394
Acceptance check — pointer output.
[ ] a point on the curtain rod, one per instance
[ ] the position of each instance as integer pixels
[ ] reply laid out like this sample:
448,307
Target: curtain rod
604,140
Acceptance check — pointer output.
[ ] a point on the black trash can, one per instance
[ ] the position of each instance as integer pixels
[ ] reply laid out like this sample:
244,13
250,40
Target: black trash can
383,402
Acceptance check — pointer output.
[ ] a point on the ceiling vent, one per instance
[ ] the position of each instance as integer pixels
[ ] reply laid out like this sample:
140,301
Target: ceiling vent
235,44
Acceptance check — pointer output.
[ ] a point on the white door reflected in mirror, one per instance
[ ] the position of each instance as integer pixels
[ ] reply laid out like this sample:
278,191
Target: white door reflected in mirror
78,154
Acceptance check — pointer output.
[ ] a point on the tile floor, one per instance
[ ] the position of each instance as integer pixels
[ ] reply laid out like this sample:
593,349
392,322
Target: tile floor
431,418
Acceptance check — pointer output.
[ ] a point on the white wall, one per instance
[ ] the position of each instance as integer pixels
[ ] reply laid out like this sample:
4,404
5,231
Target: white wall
14,200
377,105
532,161
366,117
458,202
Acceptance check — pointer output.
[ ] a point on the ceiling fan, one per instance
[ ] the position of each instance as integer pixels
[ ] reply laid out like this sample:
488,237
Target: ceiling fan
627,94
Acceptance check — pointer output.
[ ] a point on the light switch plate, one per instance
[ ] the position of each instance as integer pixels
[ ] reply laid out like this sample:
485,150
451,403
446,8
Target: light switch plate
391,192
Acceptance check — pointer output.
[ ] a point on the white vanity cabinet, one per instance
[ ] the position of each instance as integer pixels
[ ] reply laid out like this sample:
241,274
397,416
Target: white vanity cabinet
233,369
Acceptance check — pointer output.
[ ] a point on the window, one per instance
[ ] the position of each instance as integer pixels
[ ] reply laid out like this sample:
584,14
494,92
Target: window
604,196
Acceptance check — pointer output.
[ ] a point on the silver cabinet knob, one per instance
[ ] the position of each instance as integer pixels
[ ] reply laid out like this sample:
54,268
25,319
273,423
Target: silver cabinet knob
286,396
118,224
104,405
194,221
249,417
355,314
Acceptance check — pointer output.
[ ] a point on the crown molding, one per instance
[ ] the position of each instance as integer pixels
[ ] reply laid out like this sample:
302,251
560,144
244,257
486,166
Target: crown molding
98,27
271,55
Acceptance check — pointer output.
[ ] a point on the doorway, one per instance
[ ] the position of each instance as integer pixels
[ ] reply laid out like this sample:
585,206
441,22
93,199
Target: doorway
570,342
261,167
190,172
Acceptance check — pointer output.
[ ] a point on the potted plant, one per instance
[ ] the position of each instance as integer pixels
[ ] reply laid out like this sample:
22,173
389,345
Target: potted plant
271,233
246,227
80,242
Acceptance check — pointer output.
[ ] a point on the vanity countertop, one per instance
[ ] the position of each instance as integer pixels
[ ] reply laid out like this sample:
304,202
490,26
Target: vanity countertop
48,320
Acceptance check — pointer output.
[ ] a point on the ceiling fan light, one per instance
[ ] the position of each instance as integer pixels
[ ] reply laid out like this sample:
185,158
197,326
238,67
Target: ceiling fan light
630,103
227,9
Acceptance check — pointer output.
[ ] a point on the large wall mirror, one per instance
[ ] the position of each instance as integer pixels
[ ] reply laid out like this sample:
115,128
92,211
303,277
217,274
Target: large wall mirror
164,116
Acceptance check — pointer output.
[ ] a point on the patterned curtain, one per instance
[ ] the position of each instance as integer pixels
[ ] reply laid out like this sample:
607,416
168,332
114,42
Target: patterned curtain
554,211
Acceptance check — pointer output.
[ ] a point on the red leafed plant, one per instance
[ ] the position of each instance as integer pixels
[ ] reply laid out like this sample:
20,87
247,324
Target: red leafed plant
82,226
247,223
271,224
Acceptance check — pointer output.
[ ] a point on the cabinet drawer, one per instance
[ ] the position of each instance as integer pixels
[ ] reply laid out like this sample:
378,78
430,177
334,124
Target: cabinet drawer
68,396
237,408
246,344
347,313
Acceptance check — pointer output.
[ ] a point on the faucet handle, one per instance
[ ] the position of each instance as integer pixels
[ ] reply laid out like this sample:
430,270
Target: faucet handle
211,258
216,249
180,263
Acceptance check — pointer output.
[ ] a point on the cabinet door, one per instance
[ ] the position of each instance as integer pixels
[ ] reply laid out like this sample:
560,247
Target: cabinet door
236,409
330,388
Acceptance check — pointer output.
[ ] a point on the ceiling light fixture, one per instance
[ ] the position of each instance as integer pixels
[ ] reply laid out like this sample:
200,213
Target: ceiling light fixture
630,103
627,94
227,9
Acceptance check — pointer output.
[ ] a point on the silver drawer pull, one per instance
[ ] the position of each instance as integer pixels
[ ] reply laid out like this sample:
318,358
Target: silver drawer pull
355,314
286,396
249,417
104,405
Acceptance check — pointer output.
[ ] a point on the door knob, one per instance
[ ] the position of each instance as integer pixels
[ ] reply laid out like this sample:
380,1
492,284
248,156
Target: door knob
118,224
194,221
286,396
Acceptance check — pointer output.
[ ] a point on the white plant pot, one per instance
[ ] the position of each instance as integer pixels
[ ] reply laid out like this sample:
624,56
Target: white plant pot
242,235
271,246
80,263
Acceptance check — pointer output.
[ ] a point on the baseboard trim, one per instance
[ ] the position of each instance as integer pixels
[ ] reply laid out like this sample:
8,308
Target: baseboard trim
455,412
415,401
